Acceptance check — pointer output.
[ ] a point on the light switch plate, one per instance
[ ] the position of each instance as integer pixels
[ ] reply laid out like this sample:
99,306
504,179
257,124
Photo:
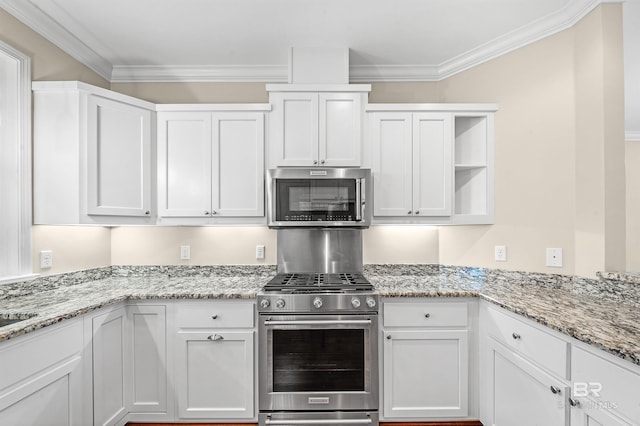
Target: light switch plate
260,252
46,259
500,253
185,252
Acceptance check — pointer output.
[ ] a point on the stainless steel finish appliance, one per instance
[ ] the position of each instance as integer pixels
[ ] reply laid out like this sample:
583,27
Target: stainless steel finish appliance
318,197
318,340
328,250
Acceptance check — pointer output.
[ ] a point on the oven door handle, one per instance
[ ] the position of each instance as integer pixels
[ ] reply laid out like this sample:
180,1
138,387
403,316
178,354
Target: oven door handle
317,322
368,421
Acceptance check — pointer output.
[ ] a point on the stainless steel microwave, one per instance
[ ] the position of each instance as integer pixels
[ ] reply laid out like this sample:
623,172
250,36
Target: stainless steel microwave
318,197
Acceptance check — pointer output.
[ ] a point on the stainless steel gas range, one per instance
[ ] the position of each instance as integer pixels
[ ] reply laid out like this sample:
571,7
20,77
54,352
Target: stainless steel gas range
318,350
318,318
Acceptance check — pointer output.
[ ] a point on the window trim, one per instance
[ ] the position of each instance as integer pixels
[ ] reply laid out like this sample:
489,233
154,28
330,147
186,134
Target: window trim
25,263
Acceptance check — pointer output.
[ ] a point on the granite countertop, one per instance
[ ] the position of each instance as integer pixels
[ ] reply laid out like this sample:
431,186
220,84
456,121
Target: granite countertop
603,312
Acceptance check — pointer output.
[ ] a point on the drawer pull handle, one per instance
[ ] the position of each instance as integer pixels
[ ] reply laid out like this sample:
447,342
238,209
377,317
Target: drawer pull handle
215,337
215,316
555,389
516,336
427,315
574,402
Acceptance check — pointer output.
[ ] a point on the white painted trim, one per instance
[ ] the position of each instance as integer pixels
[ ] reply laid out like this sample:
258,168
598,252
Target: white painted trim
432,107
43,24
212,107
199,73
318,87
65,86
24,163
40,22
632,136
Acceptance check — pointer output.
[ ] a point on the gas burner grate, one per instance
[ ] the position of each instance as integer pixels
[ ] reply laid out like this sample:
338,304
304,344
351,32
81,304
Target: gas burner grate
303,282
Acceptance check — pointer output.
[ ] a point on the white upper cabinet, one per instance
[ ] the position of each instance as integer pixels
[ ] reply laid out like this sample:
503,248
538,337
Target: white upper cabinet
431,163
92,155
316,125
210,163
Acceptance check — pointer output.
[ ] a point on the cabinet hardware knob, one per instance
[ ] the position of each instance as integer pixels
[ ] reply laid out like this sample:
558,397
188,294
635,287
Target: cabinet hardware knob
322,162
215,337
214,212
417,211
574,402
206,213
215,316
388,337
147,212
315,161
427,315
409,212
555,389
516,336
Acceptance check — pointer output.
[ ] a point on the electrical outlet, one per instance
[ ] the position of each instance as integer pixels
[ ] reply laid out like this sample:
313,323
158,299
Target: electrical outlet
260,252
185,252
554,257
500,253
46,259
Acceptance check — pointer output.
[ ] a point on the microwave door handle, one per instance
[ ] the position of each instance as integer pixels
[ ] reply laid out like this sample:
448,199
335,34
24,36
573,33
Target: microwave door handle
359,200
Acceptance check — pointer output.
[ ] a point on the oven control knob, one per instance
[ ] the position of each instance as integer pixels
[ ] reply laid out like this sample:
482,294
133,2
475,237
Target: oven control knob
317,302
280,303
264,303
355,302
371,302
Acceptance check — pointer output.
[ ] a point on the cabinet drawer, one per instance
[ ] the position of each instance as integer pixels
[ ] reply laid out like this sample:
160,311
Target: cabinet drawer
539,346
37,352
610,384
216,314
425,314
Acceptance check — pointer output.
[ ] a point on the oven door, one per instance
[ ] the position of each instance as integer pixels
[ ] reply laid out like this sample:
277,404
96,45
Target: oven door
318,362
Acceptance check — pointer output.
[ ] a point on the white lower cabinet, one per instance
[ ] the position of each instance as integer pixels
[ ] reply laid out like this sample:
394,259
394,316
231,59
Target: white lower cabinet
41,378
523,394
108,341
426,362
214,374
215,360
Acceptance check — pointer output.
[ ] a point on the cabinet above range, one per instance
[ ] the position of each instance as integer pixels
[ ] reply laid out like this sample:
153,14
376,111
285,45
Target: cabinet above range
316,125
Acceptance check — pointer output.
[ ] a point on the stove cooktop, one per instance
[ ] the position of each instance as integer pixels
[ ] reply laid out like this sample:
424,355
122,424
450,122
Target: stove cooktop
317,282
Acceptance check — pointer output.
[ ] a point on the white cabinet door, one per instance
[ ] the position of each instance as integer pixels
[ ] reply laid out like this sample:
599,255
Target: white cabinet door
594,413
411,163
316,129
391,163
211,165
339,129
184,164
432,164
109,372
41,379
522,394
118,158
215,374
238,164
147,359
425,374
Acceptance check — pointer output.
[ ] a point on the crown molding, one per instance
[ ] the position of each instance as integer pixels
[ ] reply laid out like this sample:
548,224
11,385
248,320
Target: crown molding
35,18
199,73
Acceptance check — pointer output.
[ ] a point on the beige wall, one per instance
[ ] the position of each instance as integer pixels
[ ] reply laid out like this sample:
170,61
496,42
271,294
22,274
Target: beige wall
543,179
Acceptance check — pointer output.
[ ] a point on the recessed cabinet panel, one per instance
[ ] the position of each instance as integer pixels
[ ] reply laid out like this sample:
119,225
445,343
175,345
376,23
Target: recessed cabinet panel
432,164
339,129
299,130
119,158
425,374
239,150
391,164
184,164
